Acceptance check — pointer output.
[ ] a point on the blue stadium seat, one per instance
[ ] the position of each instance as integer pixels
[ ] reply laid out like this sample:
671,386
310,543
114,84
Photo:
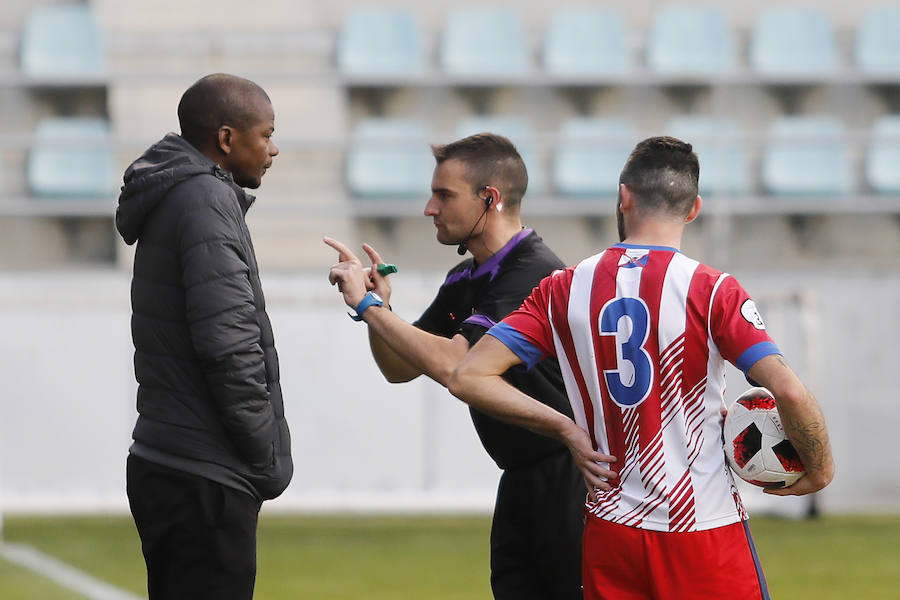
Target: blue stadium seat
484,41
688,40
590,156
806,156
62,41
389,158
718,144
877,49
71,157
586,42
380,42
519,133
883,156
794,41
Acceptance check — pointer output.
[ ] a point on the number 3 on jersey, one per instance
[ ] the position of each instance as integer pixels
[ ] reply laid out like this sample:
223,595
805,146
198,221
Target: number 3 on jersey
628,319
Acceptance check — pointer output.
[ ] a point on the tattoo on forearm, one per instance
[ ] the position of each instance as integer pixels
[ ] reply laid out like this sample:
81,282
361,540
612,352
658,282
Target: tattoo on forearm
810,440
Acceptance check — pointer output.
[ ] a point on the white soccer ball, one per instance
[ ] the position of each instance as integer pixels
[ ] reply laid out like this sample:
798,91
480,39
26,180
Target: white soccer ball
756,447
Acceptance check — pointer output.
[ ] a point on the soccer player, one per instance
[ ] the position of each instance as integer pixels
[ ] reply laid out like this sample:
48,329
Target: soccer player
641,332
476,191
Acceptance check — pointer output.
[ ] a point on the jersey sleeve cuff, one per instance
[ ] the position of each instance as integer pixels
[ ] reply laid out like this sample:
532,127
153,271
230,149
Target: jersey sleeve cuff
751,355
527,352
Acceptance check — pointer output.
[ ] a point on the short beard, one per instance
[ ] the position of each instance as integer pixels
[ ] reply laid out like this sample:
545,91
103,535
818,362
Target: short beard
620,221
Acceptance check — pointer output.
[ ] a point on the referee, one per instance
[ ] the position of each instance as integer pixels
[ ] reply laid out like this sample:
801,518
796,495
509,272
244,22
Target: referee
476,193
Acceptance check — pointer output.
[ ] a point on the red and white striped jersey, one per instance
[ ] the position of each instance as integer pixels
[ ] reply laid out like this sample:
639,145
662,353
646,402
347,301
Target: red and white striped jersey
642,334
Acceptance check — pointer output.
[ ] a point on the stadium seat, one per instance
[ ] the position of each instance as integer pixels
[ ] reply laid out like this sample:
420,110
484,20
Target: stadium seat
519,133
590,155
794,41
586,42
484,42
718,144
380,42
62,41
389,158
883,156
877,49
71,157
688,40
806,156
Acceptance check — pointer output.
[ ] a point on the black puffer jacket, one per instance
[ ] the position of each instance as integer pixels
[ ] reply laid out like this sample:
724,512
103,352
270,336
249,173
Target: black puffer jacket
205,360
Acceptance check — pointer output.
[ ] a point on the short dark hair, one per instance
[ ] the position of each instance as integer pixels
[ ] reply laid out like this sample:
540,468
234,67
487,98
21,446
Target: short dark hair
663,174
489,159
216,100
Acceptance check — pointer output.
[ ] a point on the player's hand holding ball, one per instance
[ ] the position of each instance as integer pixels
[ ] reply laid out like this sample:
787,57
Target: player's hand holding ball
757,448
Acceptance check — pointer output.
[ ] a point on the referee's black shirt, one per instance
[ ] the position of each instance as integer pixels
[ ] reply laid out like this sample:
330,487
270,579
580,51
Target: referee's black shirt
475,297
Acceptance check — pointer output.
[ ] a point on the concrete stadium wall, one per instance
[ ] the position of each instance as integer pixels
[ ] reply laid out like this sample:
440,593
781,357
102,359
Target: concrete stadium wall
361,444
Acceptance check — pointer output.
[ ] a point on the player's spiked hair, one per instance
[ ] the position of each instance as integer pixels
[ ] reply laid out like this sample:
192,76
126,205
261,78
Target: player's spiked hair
663,174
490,159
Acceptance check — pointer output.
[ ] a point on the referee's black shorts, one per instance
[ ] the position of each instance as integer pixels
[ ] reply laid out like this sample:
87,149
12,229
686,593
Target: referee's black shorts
536,532
198,536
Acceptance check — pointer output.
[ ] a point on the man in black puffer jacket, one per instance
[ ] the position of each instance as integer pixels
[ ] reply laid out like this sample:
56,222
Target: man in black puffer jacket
211,441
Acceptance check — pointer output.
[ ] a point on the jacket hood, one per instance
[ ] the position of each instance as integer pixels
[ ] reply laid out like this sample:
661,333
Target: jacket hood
161,167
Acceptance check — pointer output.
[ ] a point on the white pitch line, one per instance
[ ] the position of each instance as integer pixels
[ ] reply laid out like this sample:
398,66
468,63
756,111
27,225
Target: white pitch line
65,575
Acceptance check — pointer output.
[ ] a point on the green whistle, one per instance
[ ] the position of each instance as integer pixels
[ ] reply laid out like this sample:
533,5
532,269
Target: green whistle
386,269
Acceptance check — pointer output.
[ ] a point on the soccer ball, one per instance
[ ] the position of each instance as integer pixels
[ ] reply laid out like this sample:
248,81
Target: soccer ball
755,444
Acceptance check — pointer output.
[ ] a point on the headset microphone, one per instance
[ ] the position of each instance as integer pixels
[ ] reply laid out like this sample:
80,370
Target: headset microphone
464,245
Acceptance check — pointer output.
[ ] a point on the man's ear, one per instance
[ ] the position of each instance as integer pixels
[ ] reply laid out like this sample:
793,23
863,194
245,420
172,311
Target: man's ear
695,209
626,198
225,134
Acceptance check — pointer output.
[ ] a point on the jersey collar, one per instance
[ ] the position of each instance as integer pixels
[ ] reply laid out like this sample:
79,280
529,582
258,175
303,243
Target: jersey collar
492,264
644,246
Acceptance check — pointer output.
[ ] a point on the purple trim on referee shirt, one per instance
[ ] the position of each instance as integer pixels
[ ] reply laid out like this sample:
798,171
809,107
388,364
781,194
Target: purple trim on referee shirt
491,265
480,320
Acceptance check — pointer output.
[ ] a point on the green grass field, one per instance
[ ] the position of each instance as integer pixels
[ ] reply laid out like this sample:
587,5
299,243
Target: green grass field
443,558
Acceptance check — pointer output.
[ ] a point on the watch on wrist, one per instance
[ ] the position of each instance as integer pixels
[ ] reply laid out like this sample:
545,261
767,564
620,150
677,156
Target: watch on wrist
370,299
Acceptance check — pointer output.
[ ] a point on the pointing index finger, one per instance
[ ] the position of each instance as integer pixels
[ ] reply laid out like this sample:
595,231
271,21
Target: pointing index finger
373,254
343,251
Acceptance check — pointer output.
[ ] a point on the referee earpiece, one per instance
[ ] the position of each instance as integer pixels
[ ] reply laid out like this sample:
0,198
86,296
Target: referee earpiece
464,244
489,200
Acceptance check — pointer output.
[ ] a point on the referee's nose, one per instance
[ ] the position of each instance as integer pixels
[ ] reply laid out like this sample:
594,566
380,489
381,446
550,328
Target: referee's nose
431,207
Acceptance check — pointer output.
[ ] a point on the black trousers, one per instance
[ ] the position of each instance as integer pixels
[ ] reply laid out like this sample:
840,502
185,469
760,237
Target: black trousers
198,536
536,535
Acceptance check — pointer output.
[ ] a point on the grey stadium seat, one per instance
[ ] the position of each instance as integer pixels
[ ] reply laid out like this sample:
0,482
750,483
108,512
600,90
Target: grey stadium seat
688,40
586,42
62,41
389,158
590,156
380,42
71,158
483,41
806,156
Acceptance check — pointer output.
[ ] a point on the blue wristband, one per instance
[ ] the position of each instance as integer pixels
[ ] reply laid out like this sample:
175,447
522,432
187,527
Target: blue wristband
370,299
